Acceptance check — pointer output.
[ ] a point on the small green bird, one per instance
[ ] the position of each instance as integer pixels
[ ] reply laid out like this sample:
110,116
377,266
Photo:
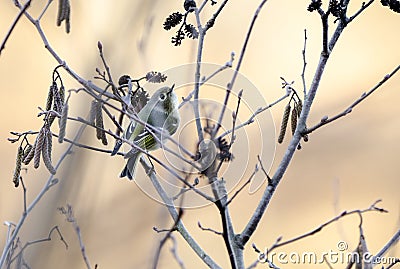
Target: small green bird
161,114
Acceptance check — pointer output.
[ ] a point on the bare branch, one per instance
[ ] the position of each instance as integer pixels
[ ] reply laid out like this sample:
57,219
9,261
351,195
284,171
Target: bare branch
363,7
244,185
372,208
44,9
252,117
196,90
263,169
325,26
241,57
21,12
24,189
208,229
234,117
110,80
168,202
304,64
349,109
165,238
202,5
395,238
174,251
211,22
48,238
69,215
299,133
205,79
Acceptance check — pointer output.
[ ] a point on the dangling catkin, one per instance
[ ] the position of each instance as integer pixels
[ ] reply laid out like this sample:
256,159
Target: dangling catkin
38,148
46,152
18,165
98,120
62,123
92,112
293,119
28,151
49,98
299,107
284,123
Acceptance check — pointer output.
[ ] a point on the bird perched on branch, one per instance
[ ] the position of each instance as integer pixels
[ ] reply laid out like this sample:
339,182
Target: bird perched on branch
160,118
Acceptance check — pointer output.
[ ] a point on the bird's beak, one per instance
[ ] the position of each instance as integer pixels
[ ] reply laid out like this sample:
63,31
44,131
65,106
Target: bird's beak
172,88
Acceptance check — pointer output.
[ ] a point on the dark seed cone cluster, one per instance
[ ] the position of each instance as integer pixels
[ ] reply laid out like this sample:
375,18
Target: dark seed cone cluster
185,29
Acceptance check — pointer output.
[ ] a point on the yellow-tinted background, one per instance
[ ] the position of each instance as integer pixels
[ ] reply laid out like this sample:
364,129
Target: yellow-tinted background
346,165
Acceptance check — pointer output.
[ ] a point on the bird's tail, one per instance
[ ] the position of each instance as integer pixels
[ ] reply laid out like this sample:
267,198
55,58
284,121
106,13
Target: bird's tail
130,167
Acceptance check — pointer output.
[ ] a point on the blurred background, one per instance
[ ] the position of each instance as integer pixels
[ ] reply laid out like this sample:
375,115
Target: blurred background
346,165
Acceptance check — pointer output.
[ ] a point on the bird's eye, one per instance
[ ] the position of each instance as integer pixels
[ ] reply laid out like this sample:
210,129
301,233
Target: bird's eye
162,97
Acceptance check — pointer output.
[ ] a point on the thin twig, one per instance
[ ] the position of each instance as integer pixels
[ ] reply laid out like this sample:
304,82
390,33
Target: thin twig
202,5
363,7
304,64
110,80
21,12
157,230
204,80
48,238
165,238
69,215
234,118
44,9
263,169
228,233
325,28
208,229
219,70
319,228
349,109
196,90
112,117
251,118
174,251
244,185
235,74
183,190
215,15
